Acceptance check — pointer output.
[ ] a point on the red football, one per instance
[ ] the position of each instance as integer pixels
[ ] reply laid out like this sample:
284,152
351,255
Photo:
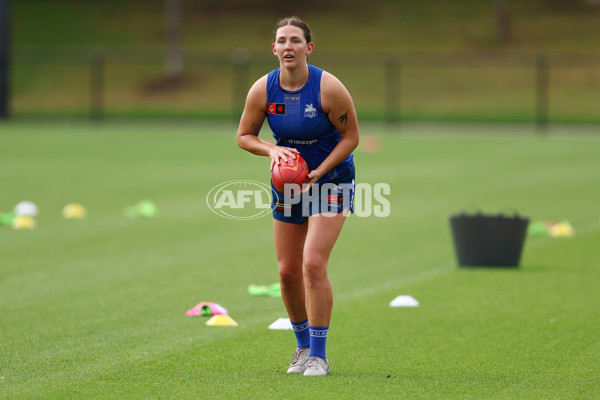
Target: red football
294,170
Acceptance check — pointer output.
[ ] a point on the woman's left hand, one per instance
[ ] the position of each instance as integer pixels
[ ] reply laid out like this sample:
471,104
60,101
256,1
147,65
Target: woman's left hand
311,179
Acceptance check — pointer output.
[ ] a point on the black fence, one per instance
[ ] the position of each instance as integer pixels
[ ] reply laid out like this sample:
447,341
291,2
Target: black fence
532,87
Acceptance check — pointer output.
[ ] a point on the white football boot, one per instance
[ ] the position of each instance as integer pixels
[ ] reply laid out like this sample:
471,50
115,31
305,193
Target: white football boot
298,361
317,366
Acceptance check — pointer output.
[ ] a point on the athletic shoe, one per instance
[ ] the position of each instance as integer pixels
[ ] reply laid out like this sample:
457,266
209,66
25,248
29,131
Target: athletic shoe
317,366
298,361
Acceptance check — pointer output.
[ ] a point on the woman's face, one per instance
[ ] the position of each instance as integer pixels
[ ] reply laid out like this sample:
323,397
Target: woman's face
290,46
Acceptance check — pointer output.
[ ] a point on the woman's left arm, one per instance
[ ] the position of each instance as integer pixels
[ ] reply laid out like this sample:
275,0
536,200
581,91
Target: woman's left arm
337,104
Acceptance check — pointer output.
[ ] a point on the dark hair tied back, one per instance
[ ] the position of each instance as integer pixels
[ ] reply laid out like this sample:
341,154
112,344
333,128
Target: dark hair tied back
294,21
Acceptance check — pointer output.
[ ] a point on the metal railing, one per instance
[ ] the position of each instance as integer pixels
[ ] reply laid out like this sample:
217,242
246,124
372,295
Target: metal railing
531,87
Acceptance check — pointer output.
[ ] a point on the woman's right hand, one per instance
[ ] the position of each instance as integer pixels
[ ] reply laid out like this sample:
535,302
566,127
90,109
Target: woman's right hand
278,153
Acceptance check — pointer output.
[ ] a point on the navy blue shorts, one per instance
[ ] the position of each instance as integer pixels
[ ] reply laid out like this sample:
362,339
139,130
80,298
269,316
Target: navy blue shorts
333,195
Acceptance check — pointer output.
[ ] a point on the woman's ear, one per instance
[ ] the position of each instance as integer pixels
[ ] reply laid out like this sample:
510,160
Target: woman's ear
309,49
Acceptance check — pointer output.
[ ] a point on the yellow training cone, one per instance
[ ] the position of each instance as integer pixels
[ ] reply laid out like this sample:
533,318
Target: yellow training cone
74,210
562,229
23,222
221,320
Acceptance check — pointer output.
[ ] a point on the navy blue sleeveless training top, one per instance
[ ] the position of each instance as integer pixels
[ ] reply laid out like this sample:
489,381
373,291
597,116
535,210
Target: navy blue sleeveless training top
297,120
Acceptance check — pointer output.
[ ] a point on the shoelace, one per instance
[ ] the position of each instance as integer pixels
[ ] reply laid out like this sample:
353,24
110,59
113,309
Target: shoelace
312,362
295,358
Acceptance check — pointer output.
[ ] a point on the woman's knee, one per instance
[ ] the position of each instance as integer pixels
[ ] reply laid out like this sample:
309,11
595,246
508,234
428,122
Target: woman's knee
289,272
314,269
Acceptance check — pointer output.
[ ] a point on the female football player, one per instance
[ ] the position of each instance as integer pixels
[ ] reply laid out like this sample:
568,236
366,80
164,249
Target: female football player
312,114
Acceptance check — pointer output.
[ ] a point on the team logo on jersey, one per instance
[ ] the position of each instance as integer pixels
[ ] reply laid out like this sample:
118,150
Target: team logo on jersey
276,108
310,111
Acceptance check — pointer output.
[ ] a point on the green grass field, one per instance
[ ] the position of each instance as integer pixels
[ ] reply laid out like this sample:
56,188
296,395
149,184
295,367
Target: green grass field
95,308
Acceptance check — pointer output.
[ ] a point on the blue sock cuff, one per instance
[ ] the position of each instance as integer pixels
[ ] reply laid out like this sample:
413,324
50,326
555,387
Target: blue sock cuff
318,331
301,332
318,340
300,326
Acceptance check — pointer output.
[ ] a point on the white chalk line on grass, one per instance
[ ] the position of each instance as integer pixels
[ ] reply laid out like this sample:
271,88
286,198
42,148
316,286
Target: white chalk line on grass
266,318
398,283
435,272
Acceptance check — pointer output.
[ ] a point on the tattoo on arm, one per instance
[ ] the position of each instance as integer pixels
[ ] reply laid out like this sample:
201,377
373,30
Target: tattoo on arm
255,128
342,133
343,118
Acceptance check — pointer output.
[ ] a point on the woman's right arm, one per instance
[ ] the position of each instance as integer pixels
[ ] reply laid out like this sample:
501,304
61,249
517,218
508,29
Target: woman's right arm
252,120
